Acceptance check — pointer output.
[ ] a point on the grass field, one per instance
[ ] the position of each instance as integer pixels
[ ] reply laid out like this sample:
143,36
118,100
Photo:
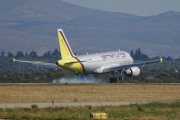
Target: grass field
89,92
149,111
93,92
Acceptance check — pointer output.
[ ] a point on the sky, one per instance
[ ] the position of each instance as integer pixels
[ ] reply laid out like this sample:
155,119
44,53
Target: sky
135,7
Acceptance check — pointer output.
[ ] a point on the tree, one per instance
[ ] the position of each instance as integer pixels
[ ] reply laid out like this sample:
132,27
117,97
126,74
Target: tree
33,54
47,54
19,54
138,55
3,53
56,52
169,58
26,54
132,54
10,54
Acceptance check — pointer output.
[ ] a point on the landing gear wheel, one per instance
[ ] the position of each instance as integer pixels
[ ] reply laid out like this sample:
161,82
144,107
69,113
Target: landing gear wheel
113,80
121,78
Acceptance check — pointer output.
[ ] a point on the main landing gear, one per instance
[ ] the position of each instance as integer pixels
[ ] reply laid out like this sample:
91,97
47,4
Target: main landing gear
114,79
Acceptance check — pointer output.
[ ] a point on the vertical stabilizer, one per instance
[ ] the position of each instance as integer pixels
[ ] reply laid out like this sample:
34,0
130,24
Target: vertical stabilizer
65,49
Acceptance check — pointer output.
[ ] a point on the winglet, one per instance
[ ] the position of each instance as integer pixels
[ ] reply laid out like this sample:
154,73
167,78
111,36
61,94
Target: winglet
14,60
161,60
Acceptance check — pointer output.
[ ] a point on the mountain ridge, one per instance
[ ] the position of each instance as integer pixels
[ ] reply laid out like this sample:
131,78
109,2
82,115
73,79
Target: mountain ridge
33,26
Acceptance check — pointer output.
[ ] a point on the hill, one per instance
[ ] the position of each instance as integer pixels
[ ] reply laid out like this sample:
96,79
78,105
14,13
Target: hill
32,25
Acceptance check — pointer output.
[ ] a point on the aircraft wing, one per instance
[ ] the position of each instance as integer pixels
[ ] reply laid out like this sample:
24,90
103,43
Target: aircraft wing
122,67
38,63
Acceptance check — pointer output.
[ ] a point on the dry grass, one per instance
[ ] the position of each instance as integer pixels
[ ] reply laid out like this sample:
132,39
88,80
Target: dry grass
89,92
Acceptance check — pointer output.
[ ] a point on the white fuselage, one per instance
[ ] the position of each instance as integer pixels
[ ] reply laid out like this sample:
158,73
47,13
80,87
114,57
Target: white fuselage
95,63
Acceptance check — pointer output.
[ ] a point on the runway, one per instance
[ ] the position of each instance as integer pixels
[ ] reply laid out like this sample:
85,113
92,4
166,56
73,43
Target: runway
63,104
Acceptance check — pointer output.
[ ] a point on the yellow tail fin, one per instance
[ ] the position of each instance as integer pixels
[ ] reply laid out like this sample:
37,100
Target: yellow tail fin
65,49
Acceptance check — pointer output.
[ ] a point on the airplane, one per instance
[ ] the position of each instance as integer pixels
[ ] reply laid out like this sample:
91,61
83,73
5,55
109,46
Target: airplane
99,63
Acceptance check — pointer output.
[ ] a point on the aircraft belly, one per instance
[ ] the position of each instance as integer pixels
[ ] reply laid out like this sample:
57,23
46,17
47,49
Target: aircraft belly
90,68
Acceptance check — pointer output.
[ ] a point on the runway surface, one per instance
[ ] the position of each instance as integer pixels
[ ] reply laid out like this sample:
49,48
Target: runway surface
63,104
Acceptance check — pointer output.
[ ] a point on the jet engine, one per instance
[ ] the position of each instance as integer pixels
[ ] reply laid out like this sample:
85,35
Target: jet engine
133,71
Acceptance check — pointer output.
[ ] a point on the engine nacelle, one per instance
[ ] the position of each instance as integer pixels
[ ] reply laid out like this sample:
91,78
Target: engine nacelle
133,71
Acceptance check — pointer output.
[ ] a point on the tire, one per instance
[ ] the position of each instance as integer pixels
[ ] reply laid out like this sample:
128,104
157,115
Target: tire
121,78
111,80
115,80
